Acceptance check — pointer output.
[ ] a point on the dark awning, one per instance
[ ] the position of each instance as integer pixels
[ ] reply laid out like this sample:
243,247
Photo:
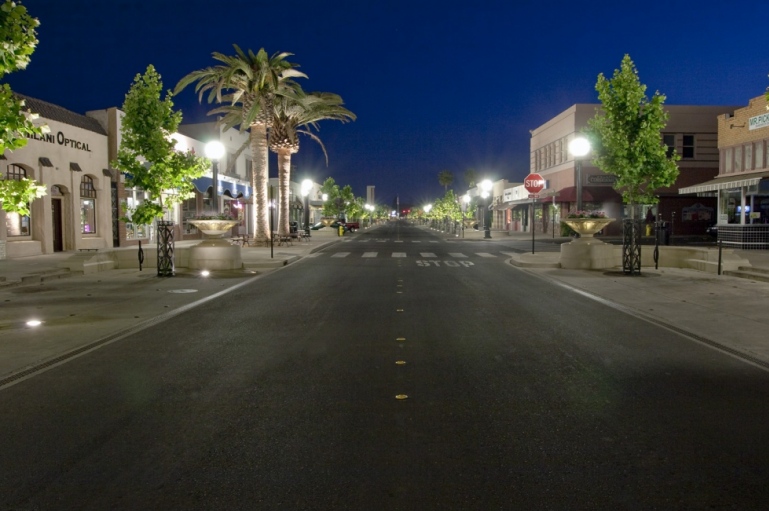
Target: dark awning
74,166
45,162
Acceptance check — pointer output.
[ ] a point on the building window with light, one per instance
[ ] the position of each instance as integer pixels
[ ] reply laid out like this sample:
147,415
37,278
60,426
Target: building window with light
17,225
87,206
135,231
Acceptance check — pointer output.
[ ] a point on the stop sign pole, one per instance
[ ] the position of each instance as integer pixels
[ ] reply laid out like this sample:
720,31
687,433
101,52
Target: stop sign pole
534,183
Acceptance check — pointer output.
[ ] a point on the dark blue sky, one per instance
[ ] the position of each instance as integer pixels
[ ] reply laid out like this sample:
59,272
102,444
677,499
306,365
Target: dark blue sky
437,85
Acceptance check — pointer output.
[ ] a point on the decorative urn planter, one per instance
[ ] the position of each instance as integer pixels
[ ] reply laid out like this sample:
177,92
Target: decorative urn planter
213,229
587,227
214,252
327,220
469,222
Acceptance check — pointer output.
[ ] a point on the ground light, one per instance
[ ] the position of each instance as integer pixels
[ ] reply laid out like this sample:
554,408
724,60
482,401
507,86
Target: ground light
205,273
34,322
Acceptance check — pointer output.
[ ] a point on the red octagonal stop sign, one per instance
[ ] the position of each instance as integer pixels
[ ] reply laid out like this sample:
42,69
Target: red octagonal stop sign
534,183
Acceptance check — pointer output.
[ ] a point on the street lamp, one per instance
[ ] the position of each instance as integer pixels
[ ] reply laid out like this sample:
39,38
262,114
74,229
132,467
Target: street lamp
306,187
579,147
486,187
214,151
465,203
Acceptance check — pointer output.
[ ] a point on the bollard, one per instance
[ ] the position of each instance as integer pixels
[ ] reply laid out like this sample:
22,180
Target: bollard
141,256
720,246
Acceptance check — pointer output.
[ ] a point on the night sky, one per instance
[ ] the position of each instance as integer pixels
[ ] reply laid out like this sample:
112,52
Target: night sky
439,85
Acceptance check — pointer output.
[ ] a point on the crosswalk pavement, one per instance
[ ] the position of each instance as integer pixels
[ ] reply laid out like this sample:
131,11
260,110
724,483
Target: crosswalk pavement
418,255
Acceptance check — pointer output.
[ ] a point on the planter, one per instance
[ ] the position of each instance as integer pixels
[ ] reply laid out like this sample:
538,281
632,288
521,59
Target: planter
469,222
587,227
327,220
214,252
213,229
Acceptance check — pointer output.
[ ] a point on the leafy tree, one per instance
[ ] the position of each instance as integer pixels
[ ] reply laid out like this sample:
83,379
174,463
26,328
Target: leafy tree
147,151
626,136
340,200
445,178
291,113
245,86
19,40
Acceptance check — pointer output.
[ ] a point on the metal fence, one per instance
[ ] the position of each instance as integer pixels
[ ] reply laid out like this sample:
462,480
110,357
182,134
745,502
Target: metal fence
746,237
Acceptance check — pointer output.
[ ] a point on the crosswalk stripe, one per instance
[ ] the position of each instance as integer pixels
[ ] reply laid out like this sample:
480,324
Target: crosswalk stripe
457,254
416,241
399,254
341,254
485,254
433,241
314,254
369,254
427,254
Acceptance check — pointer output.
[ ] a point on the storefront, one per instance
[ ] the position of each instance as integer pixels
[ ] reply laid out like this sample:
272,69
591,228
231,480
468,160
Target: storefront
70,161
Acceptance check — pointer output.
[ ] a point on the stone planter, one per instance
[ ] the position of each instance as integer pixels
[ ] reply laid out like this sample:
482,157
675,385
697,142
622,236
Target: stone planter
214,252
587,227
327,220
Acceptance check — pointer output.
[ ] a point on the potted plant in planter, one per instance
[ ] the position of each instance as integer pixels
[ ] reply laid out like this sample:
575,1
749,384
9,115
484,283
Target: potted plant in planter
587,223
214,226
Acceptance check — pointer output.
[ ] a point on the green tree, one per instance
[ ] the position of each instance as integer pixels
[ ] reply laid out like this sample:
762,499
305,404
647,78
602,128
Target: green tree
445,178
245,86
291,114
626,134
147,151
19,40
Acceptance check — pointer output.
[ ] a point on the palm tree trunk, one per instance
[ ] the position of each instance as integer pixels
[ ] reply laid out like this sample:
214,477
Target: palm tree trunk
260,181
284,178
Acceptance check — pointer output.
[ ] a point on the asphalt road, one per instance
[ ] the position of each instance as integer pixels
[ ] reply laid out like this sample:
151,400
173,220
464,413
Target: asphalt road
283,394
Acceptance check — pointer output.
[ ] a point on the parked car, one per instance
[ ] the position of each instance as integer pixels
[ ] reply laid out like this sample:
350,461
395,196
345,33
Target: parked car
334,226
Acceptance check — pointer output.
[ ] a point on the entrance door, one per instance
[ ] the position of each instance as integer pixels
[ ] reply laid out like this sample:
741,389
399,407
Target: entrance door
58,242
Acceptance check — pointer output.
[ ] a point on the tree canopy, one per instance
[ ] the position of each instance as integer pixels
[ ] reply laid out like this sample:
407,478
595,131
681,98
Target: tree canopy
626,136
147,152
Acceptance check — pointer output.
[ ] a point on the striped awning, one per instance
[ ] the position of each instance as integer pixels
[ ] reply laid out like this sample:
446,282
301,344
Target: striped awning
725,183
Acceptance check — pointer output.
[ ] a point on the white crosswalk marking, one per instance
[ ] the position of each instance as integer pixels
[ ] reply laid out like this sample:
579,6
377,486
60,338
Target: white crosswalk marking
485,254
433,241
416,241
510,254
369,254
457,254
398,241
341,254
314,254
399,254
427,254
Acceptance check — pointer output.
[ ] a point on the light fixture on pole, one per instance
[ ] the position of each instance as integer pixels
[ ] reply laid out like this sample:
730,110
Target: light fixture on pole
306,187
486,187
214,151
579,147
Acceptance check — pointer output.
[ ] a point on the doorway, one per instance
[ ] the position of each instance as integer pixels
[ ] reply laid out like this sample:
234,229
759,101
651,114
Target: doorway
58,241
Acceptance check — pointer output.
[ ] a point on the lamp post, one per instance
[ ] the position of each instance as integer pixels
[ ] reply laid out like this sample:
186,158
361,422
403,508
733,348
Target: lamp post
486,187
427,212
579,147
306,187
465,203
214,151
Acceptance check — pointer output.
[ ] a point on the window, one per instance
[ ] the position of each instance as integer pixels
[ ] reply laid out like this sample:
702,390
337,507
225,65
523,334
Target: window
749,157
728,160
738,159
87,206
758,155
688,148
670,141
16,224
249,169
134,231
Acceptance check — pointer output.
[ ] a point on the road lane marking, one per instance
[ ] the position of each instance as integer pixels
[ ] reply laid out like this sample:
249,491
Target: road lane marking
457,255
369,254
341,254
399,254
427,254
485,254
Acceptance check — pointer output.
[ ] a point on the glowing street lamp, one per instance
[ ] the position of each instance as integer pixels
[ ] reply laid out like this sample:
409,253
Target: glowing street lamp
306,188
214,151
579,147
486,187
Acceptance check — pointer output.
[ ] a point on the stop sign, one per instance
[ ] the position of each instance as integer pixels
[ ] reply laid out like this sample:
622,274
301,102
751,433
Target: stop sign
534,183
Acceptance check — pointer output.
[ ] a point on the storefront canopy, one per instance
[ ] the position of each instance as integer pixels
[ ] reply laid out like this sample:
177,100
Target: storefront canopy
724,183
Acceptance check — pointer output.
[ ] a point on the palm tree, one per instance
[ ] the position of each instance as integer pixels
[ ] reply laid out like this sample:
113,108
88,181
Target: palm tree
245,86
445,178
291,113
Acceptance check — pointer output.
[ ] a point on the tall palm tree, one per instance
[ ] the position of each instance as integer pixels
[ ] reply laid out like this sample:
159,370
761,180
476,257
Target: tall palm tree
245,86
445,178
292,113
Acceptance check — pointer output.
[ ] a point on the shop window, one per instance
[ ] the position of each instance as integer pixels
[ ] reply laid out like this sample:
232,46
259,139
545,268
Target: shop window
135,231
16,224
87,206
758,156
670,141
738,159
688,147
749,157
728,155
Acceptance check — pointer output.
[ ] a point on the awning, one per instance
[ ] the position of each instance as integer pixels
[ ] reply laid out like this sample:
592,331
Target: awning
75,167
502,206
45,162
737,181
203,184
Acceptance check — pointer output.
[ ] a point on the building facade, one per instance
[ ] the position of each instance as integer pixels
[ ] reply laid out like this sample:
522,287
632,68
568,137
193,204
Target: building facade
741,187
692,132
